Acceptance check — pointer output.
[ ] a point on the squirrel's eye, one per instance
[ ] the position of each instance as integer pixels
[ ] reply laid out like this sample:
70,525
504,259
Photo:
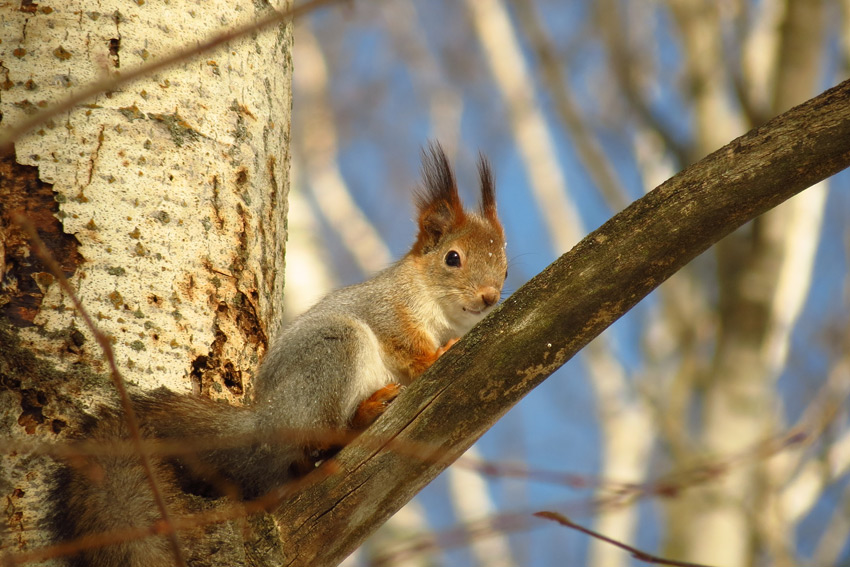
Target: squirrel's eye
453,259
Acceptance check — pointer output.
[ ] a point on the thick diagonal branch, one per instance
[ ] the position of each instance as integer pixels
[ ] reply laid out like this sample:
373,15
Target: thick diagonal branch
557,313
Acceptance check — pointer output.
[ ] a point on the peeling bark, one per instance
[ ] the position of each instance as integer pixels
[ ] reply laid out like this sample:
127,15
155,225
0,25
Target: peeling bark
24,277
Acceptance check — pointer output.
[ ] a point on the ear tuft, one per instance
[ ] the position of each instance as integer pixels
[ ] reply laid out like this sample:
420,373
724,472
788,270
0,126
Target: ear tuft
437,201
488,191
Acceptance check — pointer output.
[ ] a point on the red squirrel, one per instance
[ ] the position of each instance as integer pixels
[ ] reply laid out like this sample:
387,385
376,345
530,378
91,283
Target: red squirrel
334,368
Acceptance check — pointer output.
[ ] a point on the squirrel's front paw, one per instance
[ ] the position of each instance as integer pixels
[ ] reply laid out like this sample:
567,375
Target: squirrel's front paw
372,407
449,344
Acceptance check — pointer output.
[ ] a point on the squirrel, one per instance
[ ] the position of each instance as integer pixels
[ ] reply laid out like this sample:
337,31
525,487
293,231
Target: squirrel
336,367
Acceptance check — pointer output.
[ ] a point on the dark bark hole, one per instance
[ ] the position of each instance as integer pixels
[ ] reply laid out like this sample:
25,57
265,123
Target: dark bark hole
197,372
21,191
233,379
114,46
32,415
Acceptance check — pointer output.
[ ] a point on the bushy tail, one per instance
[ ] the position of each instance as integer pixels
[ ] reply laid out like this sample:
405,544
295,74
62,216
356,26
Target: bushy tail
104,501
103,498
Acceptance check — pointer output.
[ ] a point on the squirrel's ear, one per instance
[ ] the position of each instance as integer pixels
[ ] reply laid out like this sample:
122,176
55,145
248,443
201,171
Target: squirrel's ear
438,203
488,191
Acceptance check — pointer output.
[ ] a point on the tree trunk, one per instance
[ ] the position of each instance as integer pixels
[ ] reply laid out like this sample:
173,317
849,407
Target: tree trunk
164,202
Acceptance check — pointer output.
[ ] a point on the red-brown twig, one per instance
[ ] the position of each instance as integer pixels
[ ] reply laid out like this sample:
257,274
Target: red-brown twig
636,553
619,494
665,486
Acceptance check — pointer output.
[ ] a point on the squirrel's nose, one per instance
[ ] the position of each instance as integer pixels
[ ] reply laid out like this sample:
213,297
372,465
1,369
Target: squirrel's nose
489,295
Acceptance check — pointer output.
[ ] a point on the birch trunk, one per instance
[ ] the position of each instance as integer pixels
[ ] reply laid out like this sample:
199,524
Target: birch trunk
761,281
163,201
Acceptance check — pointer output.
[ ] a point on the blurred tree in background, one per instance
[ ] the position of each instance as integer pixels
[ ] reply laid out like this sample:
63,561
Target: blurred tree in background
710,424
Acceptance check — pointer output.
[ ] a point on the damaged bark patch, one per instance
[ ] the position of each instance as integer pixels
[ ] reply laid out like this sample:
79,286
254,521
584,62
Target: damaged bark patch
215,369
44,398
32,402
23,277
114,47
233,379
206,368
248,320
181,131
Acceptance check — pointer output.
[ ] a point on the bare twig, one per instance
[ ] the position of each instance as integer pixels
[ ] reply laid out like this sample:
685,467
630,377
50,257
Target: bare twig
180,446
636,553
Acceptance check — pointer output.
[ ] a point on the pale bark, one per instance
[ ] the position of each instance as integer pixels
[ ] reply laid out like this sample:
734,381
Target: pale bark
801,475
587,146
834,538
174,189
845,34
759,53
627,431
309,268
625,60
715,121
624,419
471,502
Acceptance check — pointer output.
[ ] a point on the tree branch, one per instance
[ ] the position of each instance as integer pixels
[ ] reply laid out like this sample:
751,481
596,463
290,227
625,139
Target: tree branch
554,315
636,553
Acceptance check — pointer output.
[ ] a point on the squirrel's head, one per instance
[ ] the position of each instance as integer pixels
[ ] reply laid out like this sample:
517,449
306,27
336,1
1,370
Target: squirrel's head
460,253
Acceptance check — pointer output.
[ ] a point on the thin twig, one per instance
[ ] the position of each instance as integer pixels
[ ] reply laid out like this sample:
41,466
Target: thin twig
666,485
179,446
622,494
636,553
111,84
129,414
